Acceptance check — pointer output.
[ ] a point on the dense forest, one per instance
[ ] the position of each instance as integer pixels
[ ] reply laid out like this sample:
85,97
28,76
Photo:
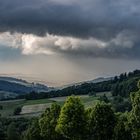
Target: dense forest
73,121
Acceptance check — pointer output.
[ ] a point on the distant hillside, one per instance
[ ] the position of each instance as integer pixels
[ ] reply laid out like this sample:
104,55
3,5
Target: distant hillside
100,79
121,85
11,87
97,80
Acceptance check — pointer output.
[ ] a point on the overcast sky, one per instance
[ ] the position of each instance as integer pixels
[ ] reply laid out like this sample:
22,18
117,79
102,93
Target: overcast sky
66,41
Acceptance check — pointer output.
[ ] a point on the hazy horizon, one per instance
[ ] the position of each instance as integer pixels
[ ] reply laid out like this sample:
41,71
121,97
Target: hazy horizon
35,79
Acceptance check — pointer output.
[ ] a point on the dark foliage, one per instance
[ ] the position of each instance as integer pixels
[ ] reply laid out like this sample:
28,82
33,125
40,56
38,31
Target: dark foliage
17,111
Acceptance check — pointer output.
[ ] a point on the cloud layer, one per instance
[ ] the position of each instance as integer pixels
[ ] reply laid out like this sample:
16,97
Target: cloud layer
124,45
94,28
76,17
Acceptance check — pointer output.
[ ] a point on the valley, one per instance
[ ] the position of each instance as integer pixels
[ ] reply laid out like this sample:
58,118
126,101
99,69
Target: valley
36,107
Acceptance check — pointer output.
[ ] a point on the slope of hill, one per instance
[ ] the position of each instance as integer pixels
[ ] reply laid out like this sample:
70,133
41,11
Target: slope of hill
121,85
97,80
100,79
11,87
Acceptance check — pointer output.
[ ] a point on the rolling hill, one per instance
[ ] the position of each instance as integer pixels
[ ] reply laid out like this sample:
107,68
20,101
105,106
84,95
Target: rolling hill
11,87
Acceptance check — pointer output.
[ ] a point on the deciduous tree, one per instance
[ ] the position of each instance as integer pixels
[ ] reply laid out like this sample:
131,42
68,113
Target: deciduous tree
101,122
72,120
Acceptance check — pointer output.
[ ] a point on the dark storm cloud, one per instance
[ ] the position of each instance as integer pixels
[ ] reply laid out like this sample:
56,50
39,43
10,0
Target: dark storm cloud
97,18
105,20
111,52
40,17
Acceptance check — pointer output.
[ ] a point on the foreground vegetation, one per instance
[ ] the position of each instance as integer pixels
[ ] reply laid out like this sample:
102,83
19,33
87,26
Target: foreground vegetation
73,121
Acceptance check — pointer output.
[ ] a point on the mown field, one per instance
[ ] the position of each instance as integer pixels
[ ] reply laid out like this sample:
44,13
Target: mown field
36,107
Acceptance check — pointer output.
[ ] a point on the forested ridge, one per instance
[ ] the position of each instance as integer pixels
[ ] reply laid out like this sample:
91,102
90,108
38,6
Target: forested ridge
120,85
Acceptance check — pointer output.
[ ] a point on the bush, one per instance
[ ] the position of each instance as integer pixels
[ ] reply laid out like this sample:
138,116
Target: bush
17,111
1,107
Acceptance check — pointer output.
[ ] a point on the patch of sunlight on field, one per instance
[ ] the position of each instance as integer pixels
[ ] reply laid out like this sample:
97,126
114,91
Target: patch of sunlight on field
11,105
28,109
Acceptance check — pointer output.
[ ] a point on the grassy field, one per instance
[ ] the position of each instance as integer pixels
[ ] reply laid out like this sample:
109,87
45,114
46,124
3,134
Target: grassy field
32,107
10,106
